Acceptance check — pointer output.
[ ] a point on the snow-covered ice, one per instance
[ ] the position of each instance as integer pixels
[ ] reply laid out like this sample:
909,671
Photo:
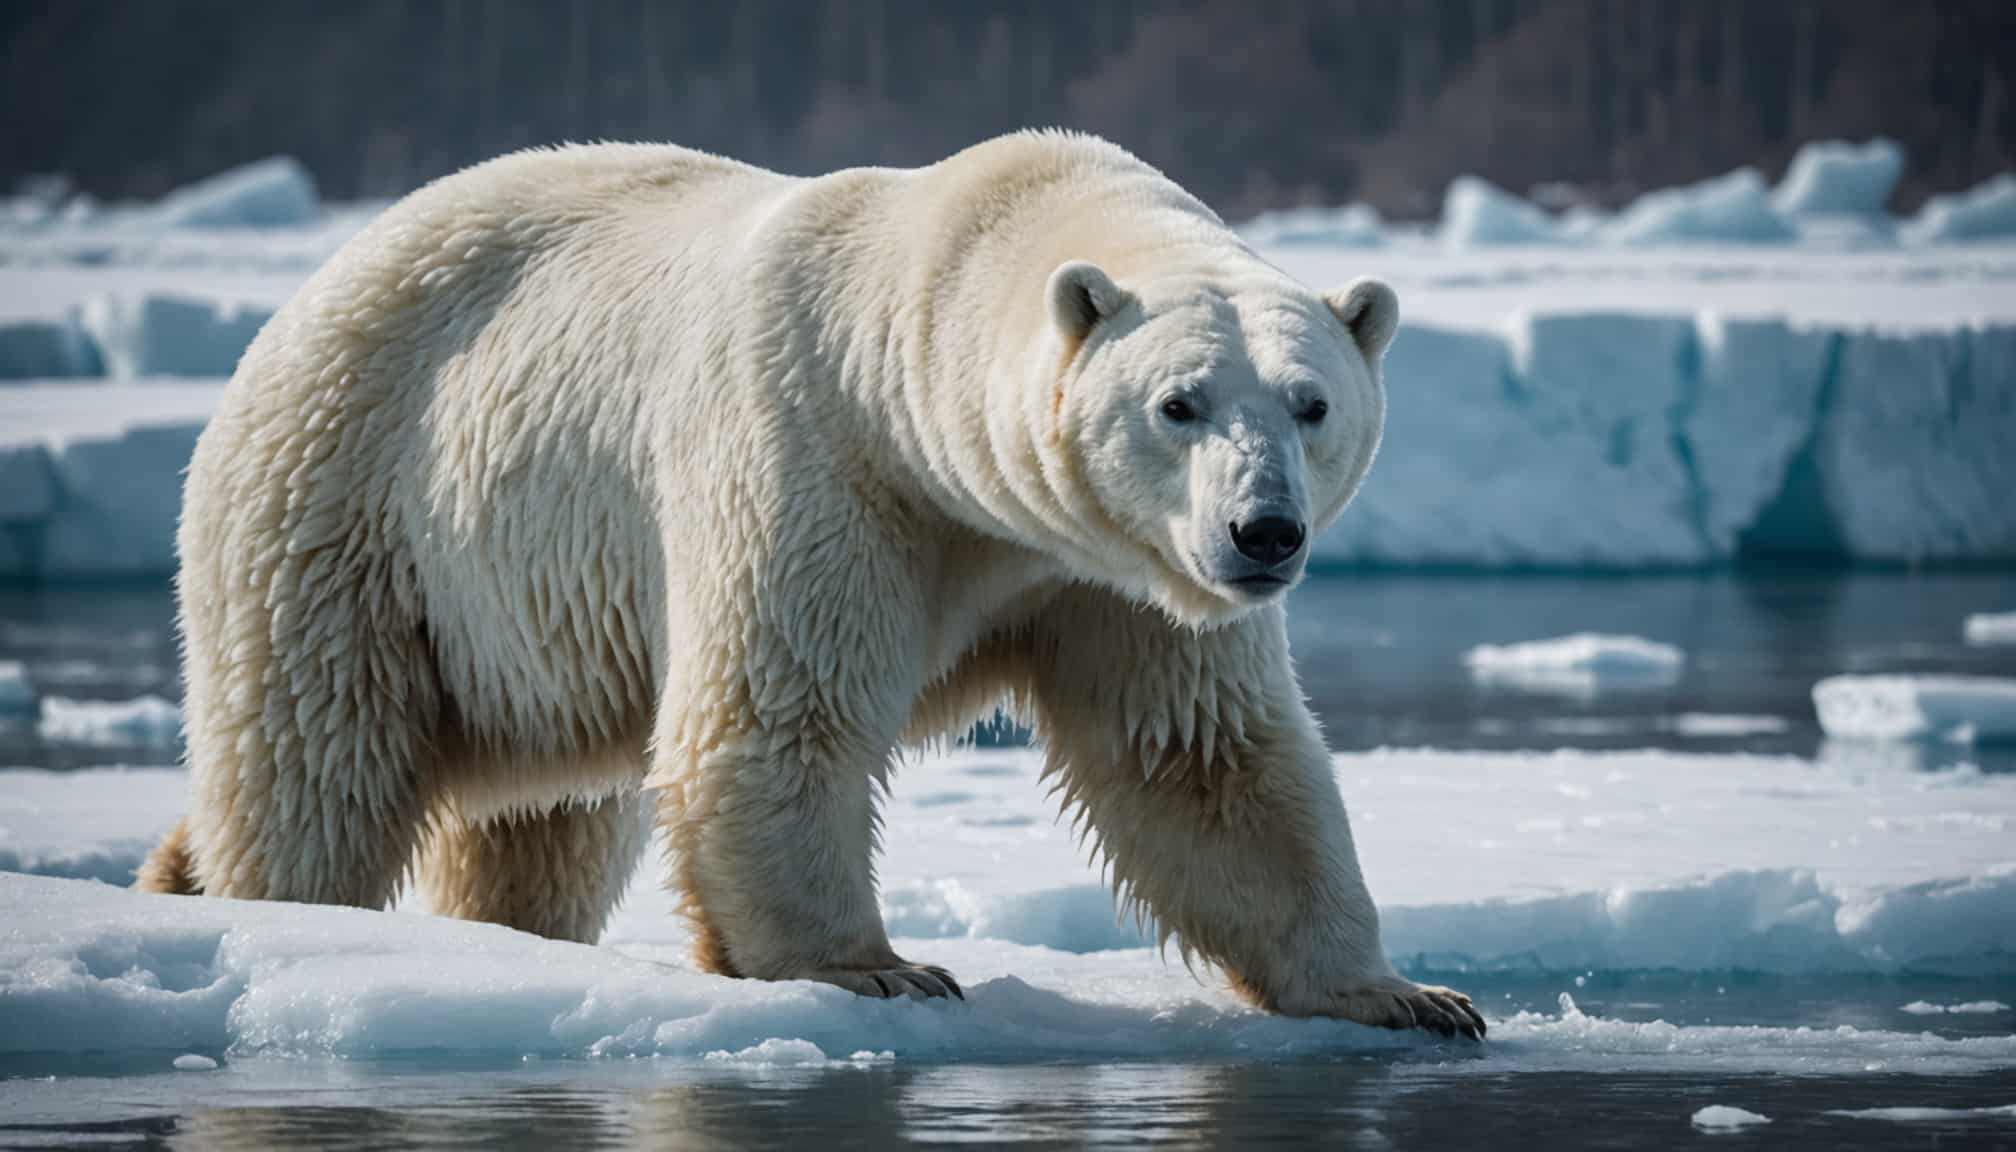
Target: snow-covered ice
1581,664
1725,1118
1352,226
1958,708
146,722
95,824
1566,861
1837,178
1985,628
1987,211
1731,209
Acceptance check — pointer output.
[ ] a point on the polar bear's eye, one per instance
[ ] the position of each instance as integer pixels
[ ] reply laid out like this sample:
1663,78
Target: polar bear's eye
1178,410
1314,413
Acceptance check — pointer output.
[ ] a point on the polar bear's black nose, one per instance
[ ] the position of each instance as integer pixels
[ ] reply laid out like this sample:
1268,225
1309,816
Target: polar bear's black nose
1270,539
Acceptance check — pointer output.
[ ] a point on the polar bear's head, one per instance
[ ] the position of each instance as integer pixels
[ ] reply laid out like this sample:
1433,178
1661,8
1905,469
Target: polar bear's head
1221,422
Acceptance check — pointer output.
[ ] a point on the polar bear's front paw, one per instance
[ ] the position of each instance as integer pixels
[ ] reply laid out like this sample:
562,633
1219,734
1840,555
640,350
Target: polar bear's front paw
1404,1004
917,981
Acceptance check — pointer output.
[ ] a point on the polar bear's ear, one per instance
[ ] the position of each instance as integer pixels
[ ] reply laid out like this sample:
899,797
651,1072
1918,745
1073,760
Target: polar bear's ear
1370,311
1081,295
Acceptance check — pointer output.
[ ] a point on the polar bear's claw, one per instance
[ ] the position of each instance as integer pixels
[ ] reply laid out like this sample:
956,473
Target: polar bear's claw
917,981
1406,1005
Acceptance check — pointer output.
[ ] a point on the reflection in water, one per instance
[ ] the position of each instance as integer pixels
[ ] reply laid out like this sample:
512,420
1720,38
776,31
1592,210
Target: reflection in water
1363,1103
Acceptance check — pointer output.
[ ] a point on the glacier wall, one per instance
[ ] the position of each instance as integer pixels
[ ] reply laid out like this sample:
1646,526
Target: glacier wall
1572,440
1632,441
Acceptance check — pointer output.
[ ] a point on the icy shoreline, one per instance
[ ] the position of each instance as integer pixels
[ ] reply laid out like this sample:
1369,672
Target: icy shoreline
1562,441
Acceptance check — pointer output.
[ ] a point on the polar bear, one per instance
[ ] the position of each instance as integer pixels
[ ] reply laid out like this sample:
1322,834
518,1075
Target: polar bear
602,481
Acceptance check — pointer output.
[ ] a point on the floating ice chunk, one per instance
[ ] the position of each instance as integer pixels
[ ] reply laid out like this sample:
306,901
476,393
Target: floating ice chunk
1477,213
1708,726
1991,628
16,694
147,722
1969,1008
1352,226
1985,212
1926,1115
191,1062
1959,708
1724,1118
272,193
1834,177
1731,209
772,1053
1582,663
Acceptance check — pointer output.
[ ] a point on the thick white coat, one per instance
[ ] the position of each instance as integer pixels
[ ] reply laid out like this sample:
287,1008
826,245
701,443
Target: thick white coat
609,478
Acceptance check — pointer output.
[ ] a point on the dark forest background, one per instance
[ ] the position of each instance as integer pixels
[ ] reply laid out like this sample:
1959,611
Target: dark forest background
1253,105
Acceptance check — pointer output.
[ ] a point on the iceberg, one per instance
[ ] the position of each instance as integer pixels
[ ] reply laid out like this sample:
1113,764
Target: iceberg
272,193
1477,213
1959,708
1836,178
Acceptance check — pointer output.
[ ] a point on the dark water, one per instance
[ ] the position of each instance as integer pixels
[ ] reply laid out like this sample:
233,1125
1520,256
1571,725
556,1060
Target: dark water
1358,1104
1381,658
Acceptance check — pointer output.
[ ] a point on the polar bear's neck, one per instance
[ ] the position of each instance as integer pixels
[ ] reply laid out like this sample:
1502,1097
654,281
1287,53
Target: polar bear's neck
974,407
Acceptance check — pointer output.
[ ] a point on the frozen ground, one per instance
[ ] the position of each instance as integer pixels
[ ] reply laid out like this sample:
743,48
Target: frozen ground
1526,870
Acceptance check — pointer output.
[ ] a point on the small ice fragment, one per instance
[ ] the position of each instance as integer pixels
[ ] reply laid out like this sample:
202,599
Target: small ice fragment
772,1053
1909,1115
1968,1008
1985,628
1579,664
148,722
191,1062
1723,1118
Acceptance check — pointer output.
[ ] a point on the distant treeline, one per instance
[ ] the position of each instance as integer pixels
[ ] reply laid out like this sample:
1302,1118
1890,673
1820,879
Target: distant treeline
1253,104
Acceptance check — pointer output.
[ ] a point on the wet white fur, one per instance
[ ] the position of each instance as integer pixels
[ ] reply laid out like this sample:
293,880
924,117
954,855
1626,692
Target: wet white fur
622,474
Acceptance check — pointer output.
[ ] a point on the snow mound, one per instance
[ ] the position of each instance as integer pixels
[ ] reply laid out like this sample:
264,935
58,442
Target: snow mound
147,722
1477,213
1959,708
1836,178
1352,226
272,193
1731,209
1581,663
1985,212
1985,628
16,694
1724,1118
